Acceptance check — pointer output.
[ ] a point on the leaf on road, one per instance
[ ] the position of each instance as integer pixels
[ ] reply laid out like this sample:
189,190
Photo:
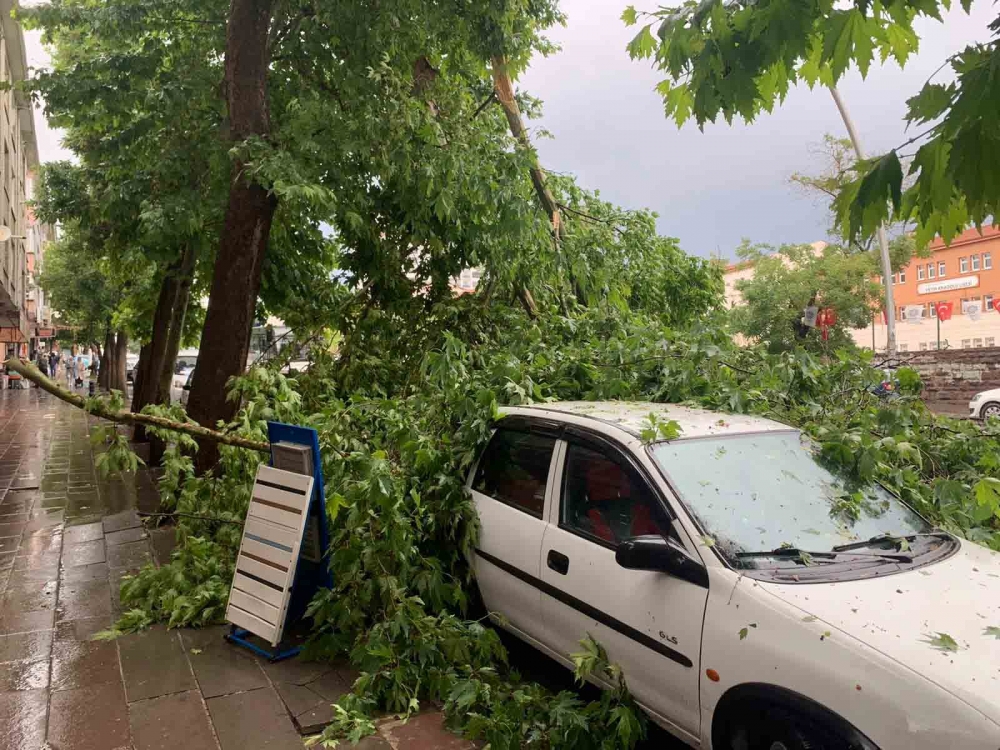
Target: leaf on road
992,630
942,642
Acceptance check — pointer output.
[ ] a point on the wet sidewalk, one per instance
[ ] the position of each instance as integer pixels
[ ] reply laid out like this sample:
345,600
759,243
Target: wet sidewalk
67,536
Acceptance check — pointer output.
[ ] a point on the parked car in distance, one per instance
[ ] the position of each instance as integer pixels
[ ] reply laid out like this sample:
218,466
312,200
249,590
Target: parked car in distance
985,404
754,598
183,367
131,360
186,388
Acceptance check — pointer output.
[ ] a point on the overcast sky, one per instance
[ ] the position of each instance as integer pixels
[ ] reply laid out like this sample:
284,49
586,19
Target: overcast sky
710,188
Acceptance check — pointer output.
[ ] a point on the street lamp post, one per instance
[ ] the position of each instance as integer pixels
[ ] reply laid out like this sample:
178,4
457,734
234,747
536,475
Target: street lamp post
883,242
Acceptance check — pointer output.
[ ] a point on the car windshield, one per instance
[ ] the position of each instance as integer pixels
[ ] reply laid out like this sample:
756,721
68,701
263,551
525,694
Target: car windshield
765,491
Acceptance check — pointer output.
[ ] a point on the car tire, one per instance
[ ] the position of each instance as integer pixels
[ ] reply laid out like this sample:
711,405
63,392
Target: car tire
771,728
992,409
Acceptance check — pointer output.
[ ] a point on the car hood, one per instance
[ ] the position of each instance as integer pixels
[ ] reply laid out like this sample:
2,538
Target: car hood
901,615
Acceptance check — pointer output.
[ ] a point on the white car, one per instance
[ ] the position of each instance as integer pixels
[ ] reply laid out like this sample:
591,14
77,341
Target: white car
753,600
986,404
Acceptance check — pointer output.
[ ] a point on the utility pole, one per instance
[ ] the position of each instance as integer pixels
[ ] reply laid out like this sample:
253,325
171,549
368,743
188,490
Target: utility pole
883,242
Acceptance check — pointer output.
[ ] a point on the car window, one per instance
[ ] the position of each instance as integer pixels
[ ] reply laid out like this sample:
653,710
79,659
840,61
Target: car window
603,499
514,470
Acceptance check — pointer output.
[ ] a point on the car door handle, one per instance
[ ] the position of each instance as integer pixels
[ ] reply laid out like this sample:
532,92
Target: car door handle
558,562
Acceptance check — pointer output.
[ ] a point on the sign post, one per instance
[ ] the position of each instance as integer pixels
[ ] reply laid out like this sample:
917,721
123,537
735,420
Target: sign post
281,559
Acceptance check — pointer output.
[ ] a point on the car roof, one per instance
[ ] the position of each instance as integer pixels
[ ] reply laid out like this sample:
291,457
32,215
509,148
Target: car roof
632,417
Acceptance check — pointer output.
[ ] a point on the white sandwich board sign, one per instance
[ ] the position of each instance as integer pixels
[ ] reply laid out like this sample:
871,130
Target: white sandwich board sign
269,552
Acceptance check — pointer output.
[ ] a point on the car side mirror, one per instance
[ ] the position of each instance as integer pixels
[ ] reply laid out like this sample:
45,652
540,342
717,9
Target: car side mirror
657,554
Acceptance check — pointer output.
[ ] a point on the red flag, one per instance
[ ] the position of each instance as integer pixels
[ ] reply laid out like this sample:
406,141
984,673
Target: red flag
944,310
829,316
996,304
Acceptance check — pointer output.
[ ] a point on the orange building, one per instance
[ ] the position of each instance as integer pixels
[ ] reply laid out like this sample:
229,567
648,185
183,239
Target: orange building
967,274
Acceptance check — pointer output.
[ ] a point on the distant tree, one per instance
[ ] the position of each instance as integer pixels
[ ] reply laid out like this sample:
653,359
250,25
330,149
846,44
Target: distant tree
791,278
738,58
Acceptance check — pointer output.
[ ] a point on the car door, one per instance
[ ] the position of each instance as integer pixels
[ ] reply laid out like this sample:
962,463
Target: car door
649,622
511,487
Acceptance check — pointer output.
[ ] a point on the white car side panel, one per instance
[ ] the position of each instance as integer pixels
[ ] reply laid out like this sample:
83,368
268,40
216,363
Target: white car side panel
892,705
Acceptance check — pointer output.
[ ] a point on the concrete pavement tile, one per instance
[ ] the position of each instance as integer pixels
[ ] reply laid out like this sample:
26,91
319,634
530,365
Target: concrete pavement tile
9,543
164,541
94,572
28,596
89,718
330,686
41,543
83,553
24,675
6,560
423,732
296,671
14,516
44,561
126,535
87,532
53,501
253,721
26,622
221,667
375,742
170,722
129,555
299,699
81,630
79,599
12,529
22,719
77,664
154,664
26,646
45,518
127,519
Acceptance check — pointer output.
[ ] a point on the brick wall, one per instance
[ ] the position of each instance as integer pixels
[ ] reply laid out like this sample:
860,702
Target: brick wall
952,376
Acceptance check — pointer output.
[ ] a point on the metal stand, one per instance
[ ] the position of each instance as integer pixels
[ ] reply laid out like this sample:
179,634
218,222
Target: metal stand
239,637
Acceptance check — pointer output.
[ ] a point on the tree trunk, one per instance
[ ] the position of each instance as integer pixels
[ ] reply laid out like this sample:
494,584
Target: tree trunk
178,313
119,372
225,340
153,363
104,373
138,374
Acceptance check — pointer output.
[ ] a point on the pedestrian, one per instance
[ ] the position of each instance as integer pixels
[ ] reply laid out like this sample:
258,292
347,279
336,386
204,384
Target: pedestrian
53,363
42,362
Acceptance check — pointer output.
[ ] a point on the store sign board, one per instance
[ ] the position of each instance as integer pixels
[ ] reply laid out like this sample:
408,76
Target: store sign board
948,285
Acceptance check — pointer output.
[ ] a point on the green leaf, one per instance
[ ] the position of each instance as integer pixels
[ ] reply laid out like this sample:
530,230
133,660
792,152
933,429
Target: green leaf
942,642
643,45
992,630
629,15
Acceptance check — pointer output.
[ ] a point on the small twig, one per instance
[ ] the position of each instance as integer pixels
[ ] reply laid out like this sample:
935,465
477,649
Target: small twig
189,515
487,102
595,219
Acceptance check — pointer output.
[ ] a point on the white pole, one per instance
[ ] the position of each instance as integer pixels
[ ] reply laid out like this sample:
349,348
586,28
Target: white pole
883,242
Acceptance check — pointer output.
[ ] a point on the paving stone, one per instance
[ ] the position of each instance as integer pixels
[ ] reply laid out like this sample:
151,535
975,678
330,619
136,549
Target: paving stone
89,718
43,518
94,572
83,553
299,699
26,646
78,664
334,683
48,561
28,596
164,541
41,542
126,535
221,667
26,622
88,532
6,560
12,529
130,555
170,722
128,519
14,516
296,671
79,599
24,675
153,664
81,630
423,732
9,544
22,719
53,501
255,720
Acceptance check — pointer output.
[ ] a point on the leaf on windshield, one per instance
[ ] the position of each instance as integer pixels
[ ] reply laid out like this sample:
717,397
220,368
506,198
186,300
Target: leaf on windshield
817,532
942,642
791,476
810,618
720,452
992,630
744,632
708,541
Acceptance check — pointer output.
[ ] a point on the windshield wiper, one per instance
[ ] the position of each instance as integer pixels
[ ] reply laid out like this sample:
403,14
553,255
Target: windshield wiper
887,539
807,555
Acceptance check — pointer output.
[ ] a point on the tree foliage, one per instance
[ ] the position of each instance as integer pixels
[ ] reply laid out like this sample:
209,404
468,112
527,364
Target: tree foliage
736,59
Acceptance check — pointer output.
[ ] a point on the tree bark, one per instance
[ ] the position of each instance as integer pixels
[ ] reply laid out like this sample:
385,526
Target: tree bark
225,339
104,373
182,298
119,372
151,365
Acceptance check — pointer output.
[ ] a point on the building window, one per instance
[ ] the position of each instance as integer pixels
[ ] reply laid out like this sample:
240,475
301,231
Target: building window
902,313
963,265
975,262
920,273
942,267
977,343
932,309
990,341
904,347
987,303
966,343
902,275
963,303
987,261
923,346
930,271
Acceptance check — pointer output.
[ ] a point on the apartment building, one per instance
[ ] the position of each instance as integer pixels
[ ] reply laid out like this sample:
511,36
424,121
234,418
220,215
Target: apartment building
18,155
965,274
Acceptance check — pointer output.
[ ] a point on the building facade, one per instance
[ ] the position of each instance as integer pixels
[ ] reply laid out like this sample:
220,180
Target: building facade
18,155
965,274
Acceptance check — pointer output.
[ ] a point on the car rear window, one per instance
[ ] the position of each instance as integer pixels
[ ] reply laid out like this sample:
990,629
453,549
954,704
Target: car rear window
514,469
